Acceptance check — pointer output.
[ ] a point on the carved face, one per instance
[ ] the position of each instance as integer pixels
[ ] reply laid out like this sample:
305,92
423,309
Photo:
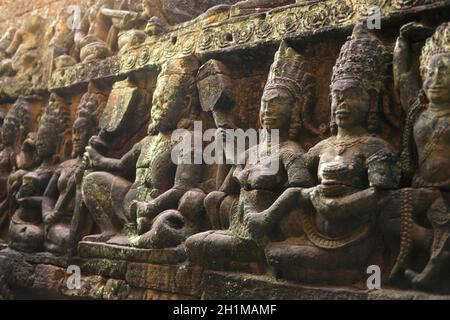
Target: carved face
48,131
437,79
276,107
350,104
80,136
171,103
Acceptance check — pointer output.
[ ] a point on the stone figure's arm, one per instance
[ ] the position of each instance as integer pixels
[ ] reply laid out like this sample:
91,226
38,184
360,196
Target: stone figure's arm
260,222
15,43
187,176
295,163
406,81
95,160
383,170
51,195
65,198
230,185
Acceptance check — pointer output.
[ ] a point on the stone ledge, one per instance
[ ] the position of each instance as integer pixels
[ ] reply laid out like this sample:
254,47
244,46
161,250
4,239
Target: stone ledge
143,281
103,267
94,250
238,286
182,279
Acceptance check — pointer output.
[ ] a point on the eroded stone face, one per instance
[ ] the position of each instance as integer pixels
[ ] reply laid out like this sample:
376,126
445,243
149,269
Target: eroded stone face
87,171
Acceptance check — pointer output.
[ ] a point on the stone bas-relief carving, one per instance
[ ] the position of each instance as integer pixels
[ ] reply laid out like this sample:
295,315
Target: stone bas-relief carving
288,89
159,184
88,173
425,146
351,167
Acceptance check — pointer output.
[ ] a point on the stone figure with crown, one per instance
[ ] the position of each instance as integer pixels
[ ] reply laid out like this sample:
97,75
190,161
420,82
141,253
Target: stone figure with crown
249,188
353,169
425,153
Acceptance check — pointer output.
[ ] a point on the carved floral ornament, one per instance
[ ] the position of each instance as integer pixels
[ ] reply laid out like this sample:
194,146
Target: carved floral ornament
277,24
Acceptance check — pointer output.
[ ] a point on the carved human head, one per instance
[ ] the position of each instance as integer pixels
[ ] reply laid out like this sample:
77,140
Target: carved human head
87,118
16,123
435,66
358,81
290,88
53,125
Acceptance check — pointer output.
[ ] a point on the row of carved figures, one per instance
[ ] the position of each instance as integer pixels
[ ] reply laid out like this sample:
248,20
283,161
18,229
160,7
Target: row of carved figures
100,28
323,216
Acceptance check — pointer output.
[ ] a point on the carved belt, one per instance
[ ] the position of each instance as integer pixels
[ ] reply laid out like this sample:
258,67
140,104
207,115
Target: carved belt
325,242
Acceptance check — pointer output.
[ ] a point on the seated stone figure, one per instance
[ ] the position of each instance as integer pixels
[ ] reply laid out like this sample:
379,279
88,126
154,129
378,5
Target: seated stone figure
353,168
159,183
425,158
26,223
14,131
59,199
288,88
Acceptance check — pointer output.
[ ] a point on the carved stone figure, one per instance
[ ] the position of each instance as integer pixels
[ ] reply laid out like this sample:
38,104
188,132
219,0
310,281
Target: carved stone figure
24,50
59,199
14,131
26,228
92,36
287,91
352,168
215,92
425,156
159,184
62,41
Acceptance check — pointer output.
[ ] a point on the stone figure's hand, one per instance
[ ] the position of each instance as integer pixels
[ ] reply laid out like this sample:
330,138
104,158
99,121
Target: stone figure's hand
139,209
91,157
79,172
51,218
97,143
143,225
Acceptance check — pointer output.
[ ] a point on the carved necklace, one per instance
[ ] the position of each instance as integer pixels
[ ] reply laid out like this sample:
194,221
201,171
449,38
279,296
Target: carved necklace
342,146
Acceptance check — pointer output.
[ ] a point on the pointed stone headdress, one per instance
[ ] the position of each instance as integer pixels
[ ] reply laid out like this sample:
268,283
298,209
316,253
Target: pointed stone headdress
363,59
289,70
437,44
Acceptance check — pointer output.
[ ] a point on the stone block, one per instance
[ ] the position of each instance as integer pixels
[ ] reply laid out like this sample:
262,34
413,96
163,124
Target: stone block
181,279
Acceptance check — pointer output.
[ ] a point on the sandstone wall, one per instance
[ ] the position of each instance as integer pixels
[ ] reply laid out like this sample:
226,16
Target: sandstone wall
13,12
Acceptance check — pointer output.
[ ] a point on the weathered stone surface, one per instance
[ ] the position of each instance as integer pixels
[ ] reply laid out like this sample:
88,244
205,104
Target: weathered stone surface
148,294
49,278
210,36
46,258
182,279
363,179
109,251
104,267
390,294
91,288
238,286
19,272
